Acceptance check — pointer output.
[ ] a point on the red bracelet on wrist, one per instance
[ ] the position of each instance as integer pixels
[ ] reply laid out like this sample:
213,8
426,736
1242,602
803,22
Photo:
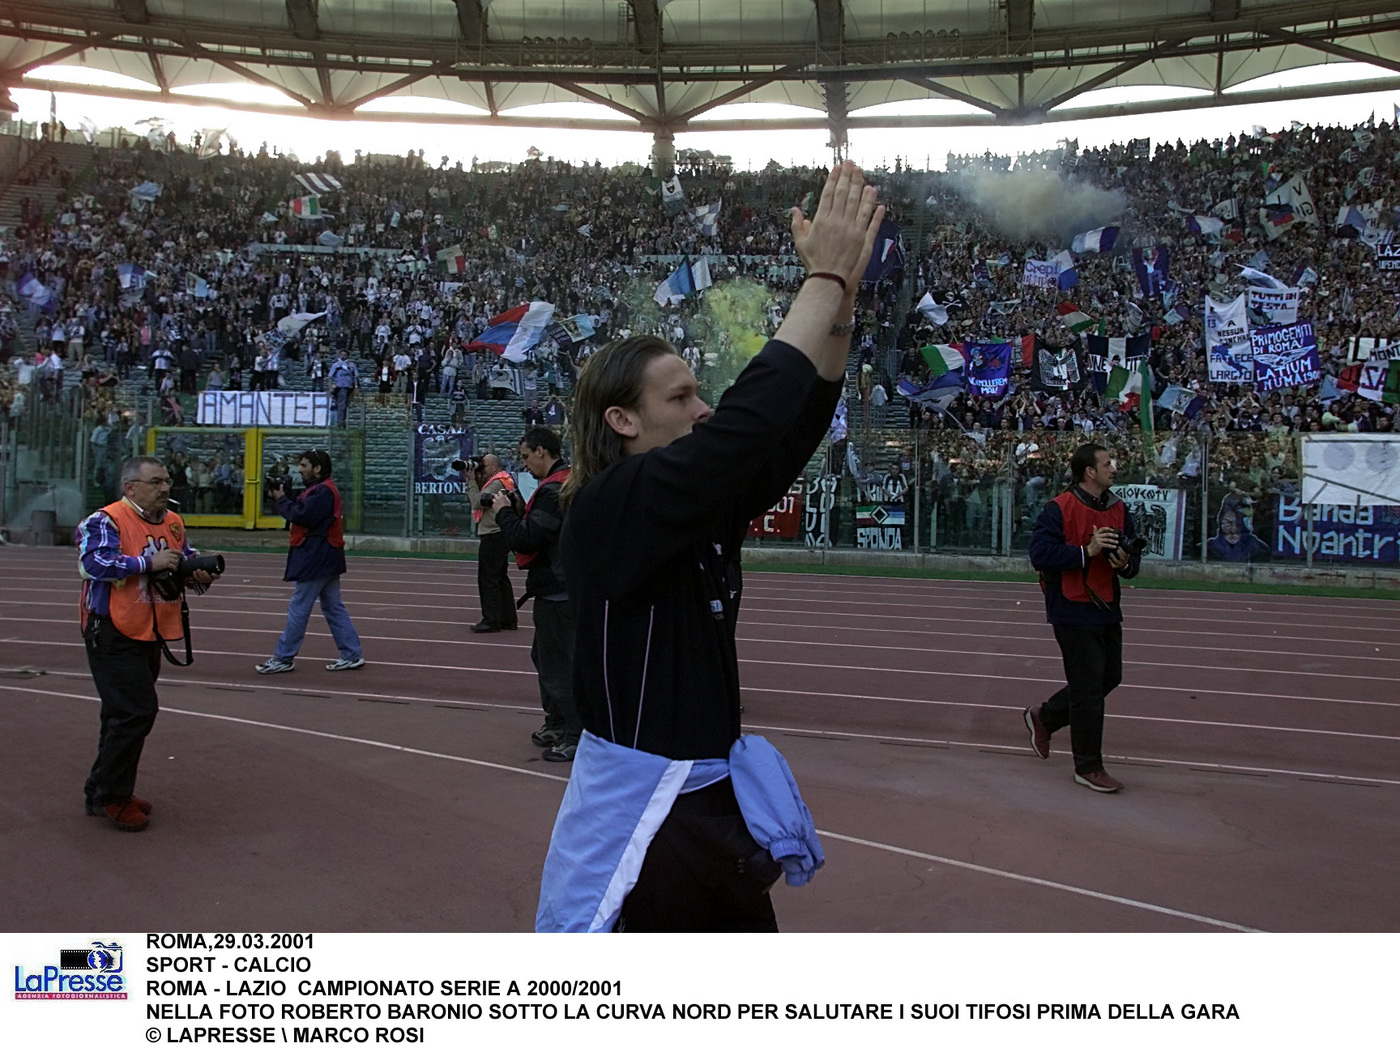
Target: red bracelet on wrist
830,277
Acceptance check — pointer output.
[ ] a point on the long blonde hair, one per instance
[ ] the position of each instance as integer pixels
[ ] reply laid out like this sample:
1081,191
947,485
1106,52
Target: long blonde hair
610,377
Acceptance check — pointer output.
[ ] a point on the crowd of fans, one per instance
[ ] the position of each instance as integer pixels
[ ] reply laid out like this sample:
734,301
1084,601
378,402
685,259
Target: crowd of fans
182,287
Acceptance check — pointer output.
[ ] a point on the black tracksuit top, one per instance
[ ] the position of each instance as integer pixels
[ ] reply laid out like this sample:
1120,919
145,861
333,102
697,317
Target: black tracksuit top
651,557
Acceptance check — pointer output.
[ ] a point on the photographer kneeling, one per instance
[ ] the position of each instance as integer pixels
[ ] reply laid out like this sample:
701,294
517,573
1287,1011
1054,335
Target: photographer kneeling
135,560
315,562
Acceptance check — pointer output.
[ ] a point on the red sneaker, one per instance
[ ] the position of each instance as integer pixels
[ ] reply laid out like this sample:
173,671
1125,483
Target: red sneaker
127,817
1099,781
144,806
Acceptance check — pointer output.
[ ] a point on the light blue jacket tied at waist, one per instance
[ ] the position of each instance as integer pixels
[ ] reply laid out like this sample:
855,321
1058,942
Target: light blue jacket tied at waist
618,797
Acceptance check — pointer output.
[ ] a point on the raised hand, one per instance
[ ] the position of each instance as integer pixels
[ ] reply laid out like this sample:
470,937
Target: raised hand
838,239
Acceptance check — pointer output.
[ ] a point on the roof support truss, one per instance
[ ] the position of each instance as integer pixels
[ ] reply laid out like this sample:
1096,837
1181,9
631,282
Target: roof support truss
471,23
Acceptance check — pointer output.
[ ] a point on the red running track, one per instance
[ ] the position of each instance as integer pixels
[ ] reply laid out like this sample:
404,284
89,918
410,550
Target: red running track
1259,737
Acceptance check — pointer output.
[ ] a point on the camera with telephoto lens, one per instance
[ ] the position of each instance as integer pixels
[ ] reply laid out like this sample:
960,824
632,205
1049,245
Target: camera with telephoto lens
168,584
488,499
470,463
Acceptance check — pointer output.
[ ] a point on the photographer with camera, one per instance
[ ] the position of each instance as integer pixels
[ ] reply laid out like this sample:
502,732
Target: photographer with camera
135,561
1083,542
315,563
493,553
532,532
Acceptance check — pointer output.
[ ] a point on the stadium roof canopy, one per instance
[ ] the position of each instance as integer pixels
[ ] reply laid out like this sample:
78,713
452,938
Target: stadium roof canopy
664,65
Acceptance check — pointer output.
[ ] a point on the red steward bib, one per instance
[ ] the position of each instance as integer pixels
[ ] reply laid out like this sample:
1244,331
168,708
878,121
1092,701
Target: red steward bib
1080,523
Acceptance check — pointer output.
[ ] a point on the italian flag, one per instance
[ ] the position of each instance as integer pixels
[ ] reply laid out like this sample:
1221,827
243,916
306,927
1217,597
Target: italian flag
943,358
1074,318
1125,384
308,207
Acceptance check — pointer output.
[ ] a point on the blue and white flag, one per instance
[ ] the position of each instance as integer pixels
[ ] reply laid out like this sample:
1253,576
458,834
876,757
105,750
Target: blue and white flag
1258,277
1066,276
131,276
707,218
1100,239
700,274
677,286
1285,356
330,239
931,309
196,286
38,295
147,191
1205,226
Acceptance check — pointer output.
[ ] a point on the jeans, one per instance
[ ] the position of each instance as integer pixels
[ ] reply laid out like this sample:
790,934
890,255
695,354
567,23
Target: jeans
1093,657
304,595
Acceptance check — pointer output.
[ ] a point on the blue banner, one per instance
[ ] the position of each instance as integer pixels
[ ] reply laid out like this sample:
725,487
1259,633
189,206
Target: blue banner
988,368
1338,533
1285,356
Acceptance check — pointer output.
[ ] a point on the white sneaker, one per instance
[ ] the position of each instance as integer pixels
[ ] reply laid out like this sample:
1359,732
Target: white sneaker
274,665
342,664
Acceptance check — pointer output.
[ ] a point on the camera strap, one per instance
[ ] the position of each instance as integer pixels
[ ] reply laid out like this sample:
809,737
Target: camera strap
184,625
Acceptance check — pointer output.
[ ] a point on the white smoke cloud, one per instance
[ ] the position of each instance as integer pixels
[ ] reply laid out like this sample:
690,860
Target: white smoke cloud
1038,205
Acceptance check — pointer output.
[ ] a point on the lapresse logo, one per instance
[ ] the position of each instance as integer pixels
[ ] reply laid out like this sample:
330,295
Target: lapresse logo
92,974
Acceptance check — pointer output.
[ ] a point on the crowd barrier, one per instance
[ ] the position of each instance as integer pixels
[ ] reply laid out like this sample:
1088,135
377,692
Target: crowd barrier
1195,497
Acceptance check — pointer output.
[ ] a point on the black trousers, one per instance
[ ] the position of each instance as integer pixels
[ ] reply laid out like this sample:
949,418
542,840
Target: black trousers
124,671
553,654
493,583
1093,658
703,871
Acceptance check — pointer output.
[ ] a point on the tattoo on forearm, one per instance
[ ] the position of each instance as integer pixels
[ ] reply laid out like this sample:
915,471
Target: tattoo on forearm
842,329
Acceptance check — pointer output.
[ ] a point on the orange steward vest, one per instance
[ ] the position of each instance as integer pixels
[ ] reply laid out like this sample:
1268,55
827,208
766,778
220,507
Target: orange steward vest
132,600
507,483
1080,523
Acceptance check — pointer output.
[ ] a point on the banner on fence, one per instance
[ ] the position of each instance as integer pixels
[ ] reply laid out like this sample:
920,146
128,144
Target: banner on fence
264,408
816,510
435,447
1159,515
784,519
1337,533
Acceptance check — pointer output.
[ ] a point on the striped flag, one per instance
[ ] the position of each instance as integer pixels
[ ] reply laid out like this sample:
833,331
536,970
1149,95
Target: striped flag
452,259
1075,319
1100,239
308,207
943,358
319,182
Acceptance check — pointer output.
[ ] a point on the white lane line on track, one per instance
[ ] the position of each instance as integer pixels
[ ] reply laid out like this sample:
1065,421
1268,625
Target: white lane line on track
1039,882
825,668
1038,636
280,690
396,568
358,594
1021,749
889,848
958,652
